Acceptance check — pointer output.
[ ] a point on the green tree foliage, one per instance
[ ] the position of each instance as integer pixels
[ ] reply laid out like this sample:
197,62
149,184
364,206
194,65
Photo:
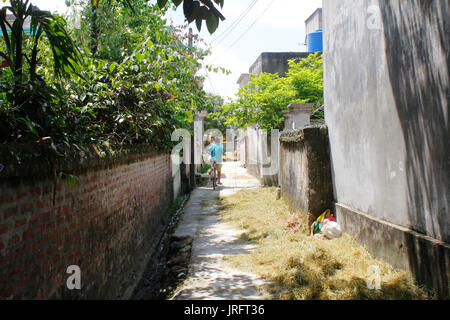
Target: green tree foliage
22,85
194,10
202,10
143,83
215,118
306,77
136,89
261,102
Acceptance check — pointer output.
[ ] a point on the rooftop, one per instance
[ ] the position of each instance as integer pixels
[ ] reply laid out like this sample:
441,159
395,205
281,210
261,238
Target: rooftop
318,11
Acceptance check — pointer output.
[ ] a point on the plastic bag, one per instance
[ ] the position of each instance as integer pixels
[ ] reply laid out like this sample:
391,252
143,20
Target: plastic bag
317,225
326,225
332,230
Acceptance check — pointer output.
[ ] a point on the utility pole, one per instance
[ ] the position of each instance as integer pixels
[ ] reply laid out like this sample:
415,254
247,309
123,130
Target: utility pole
192,165
190,37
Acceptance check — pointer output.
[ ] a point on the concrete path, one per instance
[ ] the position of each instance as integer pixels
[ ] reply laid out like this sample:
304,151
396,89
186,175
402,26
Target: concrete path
210,277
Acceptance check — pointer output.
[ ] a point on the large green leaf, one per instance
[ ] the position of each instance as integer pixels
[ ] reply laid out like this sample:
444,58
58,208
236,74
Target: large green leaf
66,56
198,22
177,2
212,22
196,12
193,10
205,12
162,3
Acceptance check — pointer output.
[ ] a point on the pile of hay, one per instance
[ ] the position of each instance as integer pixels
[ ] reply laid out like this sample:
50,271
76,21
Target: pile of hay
302,267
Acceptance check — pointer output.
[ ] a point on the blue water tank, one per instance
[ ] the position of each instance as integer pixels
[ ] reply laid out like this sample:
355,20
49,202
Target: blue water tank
315,41
26,30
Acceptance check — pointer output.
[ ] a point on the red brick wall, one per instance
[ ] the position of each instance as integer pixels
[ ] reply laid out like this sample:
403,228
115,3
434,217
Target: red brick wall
107,224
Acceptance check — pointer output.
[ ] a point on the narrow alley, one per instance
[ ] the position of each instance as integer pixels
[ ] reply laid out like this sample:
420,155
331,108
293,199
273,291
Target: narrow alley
209,276
326,121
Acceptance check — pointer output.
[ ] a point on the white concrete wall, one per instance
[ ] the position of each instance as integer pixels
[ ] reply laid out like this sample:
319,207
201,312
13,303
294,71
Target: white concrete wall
263,160
198,141
388,145
252,146
241,151
315,23
367,147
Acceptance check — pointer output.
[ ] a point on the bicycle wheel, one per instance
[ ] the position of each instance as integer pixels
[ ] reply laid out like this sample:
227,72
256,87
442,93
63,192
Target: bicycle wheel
214,179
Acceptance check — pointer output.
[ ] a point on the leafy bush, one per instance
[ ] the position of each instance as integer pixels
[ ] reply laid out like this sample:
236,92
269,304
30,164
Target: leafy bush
136,88
215,118
24,94
261,102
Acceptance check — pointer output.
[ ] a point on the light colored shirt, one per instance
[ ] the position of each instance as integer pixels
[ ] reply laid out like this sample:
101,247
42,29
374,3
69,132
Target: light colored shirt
217,152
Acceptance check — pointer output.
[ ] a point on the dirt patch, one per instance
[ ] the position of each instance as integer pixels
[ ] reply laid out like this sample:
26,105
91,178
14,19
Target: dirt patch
169,267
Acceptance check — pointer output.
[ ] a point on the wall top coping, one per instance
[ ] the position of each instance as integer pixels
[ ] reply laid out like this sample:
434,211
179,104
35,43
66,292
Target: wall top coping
201,115
38,163
299,135
301,107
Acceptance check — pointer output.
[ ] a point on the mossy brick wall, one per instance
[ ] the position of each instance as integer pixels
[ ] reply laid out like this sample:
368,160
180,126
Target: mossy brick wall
107,224
305,171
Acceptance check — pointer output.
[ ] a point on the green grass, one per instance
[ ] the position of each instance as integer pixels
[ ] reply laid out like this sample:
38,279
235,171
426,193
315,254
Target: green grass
205,168
302,267
176,204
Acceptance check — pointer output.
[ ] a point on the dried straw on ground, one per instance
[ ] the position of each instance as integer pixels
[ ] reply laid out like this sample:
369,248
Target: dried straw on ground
304,267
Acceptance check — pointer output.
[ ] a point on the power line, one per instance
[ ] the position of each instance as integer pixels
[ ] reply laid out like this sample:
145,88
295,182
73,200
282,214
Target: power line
209,79
247,30
210,82
254,22
235,23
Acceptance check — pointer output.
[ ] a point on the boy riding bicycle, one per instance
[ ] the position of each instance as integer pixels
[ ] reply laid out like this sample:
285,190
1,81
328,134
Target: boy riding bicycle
216,150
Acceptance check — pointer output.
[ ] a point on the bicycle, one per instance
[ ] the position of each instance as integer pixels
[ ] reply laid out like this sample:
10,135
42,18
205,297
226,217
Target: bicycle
214,174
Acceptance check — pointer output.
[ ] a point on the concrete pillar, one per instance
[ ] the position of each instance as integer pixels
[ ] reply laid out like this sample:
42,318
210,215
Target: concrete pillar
287,119
301,114
198,138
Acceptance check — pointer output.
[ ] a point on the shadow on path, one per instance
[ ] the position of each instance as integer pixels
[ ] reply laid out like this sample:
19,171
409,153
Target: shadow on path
210,277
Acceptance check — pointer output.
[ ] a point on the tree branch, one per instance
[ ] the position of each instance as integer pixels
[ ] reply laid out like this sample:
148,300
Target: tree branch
211,7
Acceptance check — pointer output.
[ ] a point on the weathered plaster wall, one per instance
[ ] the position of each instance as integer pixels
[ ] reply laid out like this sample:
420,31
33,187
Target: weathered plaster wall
263,155
389,120
275,62
386,98
305,173
314,22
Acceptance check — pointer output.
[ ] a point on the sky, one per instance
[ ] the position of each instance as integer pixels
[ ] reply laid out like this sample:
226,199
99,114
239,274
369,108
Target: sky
268,26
